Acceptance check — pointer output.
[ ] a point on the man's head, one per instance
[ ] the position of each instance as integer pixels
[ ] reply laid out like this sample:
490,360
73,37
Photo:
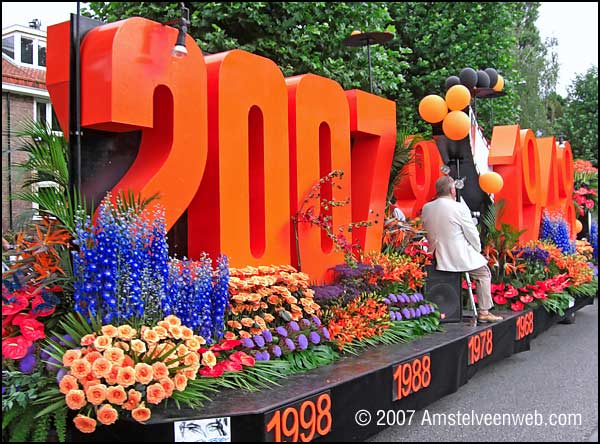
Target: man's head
445,187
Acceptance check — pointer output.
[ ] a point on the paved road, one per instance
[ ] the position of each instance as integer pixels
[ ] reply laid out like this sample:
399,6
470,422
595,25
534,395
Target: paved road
559,375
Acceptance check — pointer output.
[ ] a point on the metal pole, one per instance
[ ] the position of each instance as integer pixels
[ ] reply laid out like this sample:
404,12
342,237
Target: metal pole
78,101
369,57
75,110
468,278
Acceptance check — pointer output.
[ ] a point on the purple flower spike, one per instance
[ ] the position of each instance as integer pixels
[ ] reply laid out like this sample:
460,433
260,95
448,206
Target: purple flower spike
413,298
386,301
61,374
294,326
412,312
419,296
260,357
27,364
326,334
393,297
403,298
316,321
314,337
281,331
267,335
302,342
406,313
248,343
266,356
393,315
304,323
290,344
259,341
398,316
276,350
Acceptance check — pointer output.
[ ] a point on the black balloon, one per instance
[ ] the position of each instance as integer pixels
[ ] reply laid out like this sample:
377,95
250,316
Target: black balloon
468,77
451,81
483,80
493,75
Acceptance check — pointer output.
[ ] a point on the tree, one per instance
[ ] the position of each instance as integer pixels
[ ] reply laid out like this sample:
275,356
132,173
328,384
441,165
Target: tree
579,122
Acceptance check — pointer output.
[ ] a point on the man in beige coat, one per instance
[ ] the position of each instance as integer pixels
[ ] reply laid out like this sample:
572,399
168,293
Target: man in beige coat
454,240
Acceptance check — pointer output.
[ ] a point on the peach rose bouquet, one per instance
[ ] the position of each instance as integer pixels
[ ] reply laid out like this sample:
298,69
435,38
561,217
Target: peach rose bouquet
108,372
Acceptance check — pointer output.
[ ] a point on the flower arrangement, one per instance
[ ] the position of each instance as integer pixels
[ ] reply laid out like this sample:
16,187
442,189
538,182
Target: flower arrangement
350,280
585,199
554,228
405,307
107,372
402,272
267,296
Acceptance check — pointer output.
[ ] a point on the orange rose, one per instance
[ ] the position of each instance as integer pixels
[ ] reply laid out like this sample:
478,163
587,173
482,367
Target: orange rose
96,394
181,350
138,346
122,345
114,355
133,401
155,393
70,356
92,356
88,381
192,344
128,361
244,334
187,333
116,395
168,385
200,339
180,382
173,320
143,373
109,330
75,399
229,335
162,332
160,370
101,343
126,332
141,413
175,331
191,359
111,378
163,324
150,336
126,376
247,322
269,317
273,300
68,383
85,424
80,368
107,415
209,359
88,339
190,373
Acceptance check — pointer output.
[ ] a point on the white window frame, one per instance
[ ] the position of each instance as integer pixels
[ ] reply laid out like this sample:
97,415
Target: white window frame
17,42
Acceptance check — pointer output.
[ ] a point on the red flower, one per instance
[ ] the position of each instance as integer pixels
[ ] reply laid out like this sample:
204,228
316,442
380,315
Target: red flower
17,303
539,294
517,306
228,344
31,328
500,300
526,299
232,366
38,300
510,292
497,288
242,358
15,348
214,372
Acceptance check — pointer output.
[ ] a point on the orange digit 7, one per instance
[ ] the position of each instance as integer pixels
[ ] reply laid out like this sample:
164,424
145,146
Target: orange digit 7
163,97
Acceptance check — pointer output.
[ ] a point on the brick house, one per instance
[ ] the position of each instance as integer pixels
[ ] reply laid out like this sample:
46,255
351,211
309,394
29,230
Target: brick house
24,98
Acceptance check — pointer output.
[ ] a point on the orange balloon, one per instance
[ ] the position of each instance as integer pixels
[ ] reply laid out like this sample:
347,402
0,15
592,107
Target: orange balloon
456,125
499,84
578,226
491,182
356,32
458,98
433,109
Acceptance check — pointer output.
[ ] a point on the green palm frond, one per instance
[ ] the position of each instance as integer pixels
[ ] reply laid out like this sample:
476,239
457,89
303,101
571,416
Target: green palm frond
403,155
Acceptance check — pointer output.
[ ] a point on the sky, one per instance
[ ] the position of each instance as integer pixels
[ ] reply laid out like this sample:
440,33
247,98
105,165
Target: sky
575,25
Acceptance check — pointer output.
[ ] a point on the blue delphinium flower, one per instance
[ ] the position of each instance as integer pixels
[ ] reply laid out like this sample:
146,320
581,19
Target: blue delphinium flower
594,238
220,296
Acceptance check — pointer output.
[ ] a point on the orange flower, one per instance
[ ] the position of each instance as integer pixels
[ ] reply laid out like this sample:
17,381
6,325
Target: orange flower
109,330
75,399
111,378
143,373
209,359
101,367
173,320
116,395
190,373
192,344
141,413
160,370
168,385
126,376
235,324
273,300
155,393
162,332
229,335
191,359
175,332
85,424
68,383
88,381
138,346
70,356
180,382
107,415
247,322
133,401
268,317
186,333
126,332
88,339
128,361
101,343
96,394
80,368
92,356
114,355
244,334
150,336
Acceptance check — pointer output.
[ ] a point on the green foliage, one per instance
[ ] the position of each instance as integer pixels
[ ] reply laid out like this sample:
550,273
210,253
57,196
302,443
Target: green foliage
579,122
557,302
316,356
585,290
403,154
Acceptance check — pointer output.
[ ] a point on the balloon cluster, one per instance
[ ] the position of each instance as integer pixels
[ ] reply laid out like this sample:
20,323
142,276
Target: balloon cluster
456,123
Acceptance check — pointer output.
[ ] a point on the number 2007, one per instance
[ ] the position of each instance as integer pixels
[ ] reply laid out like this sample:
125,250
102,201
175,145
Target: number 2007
394,417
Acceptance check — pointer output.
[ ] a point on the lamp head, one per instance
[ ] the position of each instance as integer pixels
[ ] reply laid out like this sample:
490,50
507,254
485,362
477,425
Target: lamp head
180,50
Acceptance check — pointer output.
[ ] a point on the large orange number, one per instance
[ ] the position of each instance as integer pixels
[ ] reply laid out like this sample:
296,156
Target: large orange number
164,97
373,130
406,379
426,371
290,432
275,424
242,206
324,413
311,424
417,378
489,344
